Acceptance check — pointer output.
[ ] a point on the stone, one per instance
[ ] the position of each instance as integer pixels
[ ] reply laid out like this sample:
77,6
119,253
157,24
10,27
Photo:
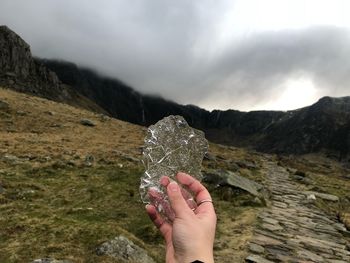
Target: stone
257,259
89,160
228,178
11,159
270,227
87,122
209,157
311,197
4,106
310,256
270,220
256,248
323,196
123,249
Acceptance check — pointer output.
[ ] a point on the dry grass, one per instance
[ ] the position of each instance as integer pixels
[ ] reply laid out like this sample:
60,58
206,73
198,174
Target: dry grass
59,202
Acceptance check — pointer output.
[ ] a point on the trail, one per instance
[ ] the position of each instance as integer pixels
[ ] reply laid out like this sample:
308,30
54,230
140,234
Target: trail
292,229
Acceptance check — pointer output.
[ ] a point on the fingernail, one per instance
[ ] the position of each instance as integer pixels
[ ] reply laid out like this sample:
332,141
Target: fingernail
173,186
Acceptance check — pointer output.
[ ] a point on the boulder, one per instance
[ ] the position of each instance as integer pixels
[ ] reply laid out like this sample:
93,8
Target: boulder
87,122
228,178
124,250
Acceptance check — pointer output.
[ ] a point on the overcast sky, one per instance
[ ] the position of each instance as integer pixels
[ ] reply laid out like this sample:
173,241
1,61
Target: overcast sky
217,54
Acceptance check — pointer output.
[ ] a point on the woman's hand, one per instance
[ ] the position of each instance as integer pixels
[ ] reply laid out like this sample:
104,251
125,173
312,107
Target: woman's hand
191,235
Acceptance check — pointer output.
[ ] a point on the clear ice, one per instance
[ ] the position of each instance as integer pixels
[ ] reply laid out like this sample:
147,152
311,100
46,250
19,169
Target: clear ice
171,146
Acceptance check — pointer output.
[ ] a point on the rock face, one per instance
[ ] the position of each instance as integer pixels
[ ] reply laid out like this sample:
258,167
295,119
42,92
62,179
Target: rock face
124,250
21,72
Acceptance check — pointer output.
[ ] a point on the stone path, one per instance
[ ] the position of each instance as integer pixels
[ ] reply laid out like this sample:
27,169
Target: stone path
292,229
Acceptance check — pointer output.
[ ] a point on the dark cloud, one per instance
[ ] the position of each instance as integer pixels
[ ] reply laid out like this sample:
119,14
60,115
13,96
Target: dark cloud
165,47
255,68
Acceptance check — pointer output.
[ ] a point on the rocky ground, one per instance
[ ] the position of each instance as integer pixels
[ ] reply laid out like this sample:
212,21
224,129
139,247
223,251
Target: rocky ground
293,229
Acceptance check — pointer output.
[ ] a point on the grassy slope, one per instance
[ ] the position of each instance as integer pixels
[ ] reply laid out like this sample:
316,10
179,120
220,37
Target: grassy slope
57,205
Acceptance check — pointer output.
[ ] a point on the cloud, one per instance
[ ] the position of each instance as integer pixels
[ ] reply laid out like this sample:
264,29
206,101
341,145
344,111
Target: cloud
171,48
254,69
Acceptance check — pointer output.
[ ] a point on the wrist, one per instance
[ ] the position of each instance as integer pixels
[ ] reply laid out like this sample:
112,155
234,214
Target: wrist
199,257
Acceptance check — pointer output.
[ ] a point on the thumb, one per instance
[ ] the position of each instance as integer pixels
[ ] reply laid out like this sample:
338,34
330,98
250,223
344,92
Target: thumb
177,201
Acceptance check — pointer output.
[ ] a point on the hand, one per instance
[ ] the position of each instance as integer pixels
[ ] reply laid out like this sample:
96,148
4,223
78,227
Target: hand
191,235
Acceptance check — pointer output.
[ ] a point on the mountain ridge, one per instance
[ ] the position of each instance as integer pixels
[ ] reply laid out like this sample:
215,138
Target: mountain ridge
321,127
267,131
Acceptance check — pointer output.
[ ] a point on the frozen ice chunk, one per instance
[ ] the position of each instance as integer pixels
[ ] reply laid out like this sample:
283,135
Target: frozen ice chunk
171,146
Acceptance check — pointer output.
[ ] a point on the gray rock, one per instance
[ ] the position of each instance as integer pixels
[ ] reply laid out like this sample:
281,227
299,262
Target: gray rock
124,250
256,248
11,159
228,178
4,106
21,113
309,256
311,197
89,160
247,164
209,157
87,122
257,259
326,197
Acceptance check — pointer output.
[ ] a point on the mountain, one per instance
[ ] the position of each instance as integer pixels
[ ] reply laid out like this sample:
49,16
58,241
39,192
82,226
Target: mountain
324,126
21,72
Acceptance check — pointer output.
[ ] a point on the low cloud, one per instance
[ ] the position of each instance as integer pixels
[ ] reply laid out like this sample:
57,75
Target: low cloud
166,47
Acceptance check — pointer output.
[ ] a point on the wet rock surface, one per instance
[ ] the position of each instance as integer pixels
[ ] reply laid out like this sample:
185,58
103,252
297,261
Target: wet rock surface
293,229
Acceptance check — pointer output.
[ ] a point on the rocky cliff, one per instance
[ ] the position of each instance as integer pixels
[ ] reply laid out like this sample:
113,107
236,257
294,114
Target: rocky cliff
21,72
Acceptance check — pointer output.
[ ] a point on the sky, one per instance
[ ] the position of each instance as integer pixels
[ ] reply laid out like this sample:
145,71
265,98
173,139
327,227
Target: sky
216,54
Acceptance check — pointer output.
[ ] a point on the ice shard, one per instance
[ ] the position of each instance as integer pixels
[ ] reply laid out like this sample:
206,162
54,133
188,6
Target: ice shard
170,146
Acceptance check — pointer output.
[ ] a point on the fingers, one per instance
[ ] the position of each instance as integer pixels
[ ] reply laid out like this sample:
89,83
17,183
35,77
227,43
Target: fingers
163,226
200,192
164,181
177,201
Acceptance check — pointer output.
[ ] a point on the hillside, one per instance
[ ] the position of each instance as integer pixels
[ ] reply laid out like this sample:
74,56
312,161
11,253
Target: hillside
65,187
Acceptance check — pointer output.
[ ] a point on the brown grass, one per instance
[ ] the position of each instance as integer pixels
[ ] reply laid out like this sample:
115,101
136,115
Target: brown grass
56,205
